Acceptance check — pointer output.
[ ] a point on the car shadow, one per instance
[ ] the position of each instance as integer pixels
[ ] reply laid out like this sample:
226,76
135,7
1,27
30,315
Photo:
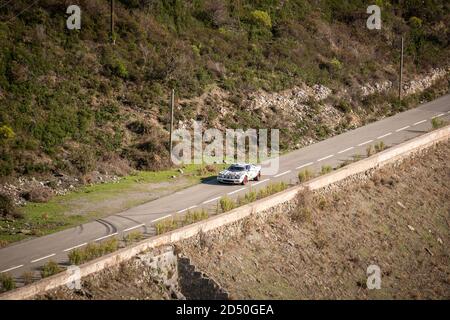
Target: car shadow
210,181
417,131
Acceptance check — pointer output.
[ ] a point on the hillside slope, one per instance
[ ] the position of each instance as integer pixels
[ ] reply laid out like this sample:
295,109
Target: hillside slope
73,103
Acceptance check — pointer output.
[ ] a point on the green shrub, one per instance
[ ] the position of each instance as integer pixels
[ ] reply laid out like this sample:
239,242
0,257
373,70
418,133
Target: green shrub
248,198
322,131
166,225
50,268
438,123
173,223
261,18
380,146
271,189
109,246
304,175
369,150
344,106
119,69
336,64
251,197
76,256
6,133
415,22
326,169
7,282
226,204
93,251
27,277
195,216
133,237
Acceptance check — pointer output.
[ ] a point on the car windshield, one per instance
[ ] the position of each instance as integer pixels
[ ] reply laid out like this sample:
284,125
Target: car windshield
236,168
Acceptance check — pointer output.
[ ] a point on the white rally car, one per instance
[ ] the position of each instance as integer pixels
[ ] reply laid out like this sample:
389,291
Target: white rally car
240,174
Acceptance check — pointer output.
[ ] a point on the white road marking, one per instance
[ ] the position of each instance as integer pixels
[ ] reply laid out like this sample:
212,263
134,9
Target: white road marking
211,200
345,150
364,143
49,256
282,174
80,245
325,158
236,191
13,268
439,115
419,122
186,209
304,165
401,129
385,135
107,236
135,227
259,182
162,217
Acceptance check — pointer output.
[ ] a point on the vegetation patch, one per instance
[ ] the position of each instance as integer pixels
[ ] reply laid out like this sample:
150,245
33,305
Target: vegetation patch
438,123
7,282
179,221
92,251
305,175
50,268
134,236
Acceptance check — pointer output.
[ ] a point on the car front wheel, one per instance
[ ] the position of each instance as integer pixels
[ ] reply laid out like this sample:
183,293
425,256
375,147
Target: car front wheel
258,176
245,181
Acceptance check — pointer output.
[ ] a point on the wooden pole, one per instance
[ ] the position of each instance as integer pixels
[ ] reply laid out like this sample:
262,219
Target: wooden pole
112,23
172,104
400,82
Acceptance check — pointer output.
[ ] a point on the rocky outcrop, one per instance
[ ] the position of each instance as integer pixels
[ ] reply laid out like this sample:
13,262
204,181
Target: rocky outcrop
414,86
179,276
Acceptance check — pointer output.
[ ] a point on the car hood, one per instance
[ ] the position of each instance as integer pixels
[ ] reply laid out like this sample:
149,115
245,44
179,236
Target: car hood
232,173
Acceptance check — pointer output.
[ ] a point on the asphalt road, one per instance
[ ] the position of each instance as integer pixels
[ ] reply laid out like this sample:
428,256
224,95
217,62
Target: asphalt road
31,254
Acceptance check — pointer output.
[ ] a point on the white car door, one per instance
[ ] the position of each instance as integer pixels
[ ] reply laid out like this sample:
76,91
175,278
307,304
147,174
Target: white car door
252,172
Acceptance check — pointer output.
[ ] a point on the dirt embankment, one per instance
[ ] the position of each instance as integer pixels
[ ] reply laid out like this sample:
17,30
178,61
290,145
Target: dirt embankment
397,218
128,281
